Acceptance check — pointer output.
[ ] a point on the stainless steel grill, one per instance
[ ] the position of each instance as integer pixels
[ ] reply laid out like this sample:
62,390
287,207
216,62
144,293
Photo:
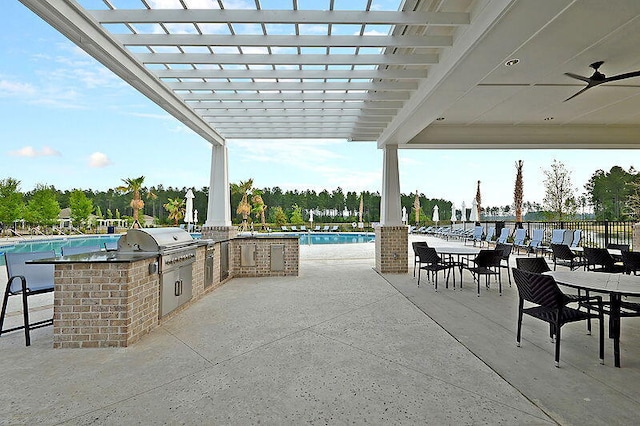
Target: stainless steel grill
176,250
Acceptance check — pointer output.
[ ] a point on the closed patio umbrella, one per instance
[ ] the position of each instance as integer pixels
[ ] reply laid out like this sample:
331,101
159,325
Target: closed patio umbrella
474,211
436,215
195,216
404,214
464,212
453,213
188,211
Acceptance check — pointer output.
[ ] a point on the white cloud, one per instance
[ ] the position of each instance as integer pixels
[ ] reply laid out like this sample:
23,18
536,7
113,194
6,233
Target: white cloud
31,152
15,88
98,160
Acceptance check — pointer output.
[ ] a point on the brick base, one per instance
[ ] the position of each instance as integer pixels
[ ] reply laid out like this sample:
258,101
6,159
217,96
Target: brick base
392,254
219,233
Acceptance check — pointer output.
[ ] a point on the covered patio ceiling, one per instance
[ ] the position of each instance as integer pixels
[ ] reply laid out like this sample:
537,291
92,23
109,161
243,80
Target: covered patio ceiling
432,74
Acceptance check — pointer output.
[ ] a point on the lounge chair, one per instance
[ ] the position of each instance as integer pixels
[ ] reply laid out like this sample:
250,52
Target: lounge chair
303,228
111,245
325,228
491,233
284,228
334,228
562,255
600,260
518,238
577,238
536,240
294,228
27,280
557,237
478,233
317,228
504,235
568,238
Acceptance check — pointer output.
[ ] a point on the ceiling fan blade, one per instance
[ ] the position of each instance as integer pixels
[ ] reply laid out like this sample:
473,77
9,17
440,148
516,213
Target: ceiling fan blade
578,77
622,76
580,92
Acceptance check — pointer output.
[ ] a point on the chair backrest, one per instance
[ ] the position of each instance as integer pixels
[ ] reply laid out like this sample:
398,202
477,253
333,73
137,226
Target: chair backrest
621,247
577,237
505,249
504,234
539,289
557,236
562,251
536,238
532,264
519,236
427,254
68,251
598,256
488,258
631,261
416,244
491,232
568,237
38,276
477,233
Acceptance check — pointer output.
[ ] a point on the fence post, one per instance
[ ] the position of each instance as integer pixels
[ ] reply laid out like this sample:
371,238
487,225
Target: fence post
606,233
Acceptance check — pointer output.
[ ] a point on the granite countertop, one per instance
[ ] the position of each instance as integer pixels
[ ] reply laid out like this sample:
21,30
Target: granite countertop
99,257
266,237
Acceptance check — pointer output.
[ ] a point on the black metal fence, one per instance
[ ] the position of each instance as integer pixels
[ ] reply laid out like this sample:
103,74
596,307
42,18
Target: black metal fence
594,233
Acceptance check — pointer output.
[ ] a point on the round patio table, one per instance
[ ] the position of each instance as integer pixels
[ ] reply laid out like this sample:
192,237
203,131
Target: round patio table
459,253
616,285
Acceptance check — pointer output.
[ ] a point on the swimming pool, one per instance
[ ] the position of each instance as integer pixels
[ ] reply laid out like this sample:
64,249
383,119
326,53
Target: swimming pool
111,241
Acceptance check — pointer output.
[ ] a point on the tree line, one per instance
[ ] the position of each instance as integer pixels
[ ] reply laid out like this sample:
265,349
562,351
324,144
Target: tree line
612,195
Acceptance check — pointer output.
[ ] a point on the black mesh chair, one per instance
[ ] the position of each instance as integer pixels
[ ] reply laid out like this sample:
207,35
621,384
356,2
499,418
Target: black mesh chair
486,263
550,306
26,280
599,260
563,256
538,265
416,258
621,247
506,250
631,262
431,262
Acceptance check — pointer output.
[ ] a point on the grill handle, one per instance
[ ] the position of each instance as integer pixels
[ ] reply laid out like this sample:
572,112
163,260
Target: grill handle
177,288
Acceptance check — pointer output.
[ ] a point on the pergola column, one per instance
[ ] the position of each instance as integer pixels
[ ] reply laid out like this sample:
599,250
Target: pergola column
218,225
392,240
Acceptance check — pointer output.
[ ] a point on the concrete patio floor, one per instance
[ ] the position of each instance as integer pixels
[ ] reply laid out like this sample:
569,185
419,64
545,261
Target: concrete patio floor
338,344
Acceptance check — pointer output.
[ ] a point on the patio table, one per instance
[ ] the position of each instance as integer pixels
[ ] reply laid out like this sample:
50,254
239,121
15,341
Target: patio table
459,252
616,285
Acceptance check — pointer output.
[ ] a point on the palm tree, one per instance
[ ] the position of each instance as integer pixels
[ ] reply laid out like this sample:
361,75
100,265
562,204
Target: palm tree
259,207
176,208
244,208
135,185
518,192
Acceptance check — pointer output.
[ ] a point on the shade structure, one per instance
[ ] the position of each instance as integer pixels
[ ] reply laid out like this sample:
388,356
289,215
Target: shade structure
453,213
404,214
464,212
195,216
311,216
188,212
474,211
436,214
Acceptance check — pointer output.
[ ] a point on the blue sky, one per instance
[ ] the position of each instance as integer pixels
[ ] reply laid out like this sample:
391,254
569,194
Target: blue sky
69,122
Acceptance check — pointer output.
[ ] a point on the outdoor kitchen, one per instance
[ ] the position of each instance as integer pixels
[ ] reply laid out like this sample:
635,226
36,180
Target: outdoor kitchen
113,298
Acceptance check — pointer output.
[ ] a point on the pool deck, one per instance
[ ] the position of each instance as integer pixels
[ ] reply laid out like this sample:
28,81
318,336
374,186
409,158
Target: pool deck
338,344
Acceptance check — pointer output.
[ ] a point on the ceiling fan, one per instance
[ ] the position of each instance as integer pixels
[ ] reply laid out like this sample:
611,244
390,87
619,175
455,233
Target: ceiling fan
597,78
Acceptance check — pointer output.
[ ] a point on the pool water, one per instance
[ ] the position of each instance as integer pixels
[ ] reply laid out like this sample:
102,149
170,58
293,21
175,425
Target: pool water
111,242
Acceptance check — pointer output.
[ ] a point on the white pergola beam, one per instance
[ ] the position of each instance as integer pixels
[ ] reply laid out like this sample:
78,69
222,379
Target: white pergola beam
299,113
392,96
213,40
290,85
399,74
216,16
284,59
210,105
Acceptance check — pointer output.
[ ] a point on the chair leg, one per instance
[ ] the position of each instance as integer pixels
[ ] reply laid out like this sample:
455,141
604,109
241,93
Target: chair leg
601,330
558,345
25,314
519,333
419,273
436,280
4,308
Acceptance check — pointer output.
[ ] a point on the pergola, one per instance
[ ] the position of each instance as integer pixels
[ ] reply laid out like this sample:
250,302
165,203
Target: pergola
420,74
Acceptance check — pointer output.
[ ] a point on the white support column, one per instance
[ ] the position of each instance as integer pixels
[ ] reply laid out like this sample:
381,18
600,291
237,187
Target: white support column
219,203
390,214
392,253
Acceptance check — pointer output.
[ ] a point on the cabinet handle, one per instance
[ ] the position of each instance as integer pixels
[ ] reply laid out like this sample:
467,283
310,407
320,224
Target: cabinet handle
176,288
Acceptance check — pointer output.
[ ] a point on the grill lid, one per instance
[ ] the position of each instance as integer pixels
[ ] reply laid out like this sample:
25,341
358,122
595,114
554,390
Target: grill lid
153,239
